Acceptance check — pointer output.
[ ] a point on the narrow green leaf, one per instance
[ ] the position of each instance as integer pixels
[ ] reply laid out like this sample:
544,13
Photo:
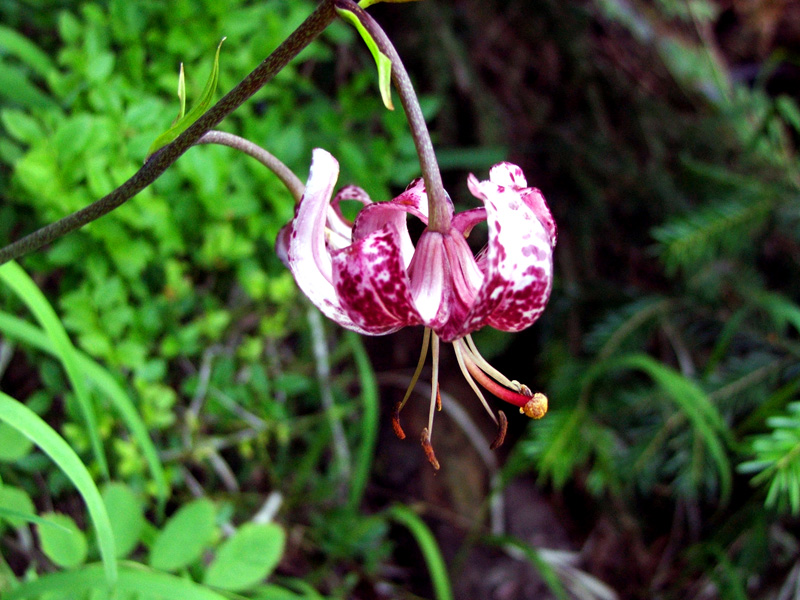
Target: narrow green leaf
65,545
105,383
247,557
545,570
29,423
183,539
16,516
382,61
369,421
183,123
429,548
181,94
23,286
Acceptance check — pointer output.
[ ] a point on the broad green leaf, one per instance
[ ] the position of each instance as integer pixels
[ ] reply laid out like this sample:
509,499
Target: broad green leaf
28,422
16,502
183,539
13,445
247,557
21,126
183,123
66,545
382,61
128,521
16,44
23,286
133,580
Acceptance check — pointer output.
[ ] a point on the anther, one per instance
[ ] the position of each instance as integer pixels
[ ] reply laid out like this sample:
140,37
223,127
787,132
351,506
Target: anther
428,448
502,428
536,407
398,431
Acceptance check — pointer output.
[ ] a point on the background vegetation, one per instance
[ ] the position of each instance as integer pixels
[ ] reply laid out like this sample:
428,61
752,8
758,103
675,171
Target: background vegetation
174,378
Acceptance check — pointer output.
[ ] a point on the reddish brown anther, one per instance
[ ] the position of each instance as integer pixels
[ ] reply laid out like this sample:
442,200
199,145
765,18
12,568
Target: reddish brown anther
428,448
398,431
502,428
438,398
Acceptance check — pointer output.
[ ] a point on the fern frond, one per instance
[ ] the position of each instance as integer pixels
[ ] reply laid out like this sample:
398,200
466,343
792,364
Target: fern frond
703,234
607,336
776,460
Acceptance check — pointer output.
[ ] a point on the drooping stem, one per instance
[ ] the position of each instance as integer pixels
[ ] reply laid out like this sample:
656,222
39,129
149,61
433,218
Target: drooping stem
284,173
438,209
166,156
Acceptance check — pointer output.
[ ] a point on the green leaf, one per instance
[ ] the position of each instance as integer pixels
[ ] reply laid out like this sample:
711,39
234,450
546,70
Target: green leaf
105,383
128,521
65,545
429,548
690,399
133,580
13,445
185,120
247,557
184,537
16,44
52,444
23,286
382,61
16,505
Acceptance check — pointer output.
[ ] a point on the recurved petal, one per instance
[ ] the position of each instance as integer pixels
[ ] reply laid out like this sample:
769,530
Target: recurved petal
372,284
506,174
518,263
378,215
303,241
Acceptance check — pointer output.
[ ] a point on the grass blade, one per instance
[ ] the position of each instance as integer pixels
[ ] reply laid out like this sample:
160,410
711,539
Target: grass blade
31,425
369,421
430,550
106,384
23,286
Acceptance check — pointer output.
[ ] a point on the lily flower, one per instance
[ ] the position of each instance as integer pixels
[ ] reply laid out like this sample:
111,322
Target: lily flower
369,276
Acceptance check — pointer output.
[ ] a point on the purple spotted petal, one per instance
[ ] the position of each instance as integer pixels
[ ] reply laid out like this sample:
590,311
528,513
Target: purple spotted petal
518,263
372,284
508,175
378,215
303,242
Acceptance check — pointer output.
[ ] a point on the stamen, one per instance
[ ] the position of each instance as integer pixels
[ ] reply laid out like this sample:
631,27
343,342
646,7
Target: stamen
536,407
517,398
438,398
398,430
463,362
477,357
501,431
428,448
434,382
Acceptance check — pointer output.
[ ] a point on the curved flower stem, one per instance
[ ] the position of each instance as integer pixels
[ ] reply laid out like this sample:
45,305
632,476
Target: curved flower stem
161,160
438,210
284,173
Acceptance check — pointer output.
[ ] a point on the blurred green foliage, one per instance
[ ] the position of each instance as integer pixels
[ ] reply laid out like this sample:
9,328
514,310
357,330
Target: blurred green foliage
669,350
